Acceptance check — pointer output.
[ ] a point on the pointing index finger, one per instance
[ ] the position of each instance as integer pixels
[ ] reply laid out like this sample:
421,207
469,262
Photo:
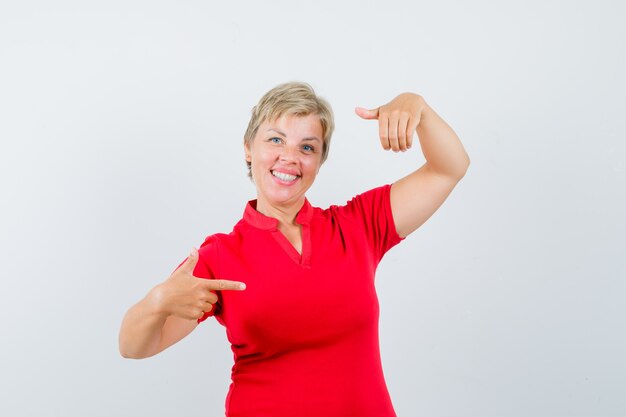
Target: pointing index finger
224,284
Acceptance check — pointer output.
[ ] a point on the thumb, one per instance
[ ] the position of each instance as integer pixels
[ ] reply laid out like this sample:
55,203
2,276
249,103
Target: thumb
190,263
367,114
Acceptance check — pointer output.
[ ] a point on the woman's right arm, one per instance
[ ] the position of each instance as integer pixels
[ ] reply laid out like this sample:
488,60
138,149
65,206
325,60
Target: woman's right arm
170,311
147,330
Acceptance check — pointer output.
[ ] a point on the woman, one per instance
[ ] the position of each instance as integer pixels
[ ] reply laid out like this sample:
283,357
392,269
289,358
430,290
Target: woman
303,323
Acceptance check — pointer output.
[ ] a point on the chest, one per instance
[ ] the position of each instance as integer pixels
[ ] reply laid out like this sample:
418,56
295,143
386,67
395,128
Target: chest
293,236
287,303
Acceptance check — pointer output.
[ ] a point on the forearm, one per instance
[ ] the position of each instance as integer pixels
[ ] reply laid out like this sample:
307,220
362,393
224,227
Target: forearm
140,334
441,147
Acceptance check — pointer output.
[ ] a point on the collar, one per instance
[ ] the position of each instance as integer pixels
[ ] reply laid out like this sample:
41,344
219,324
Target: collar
263,222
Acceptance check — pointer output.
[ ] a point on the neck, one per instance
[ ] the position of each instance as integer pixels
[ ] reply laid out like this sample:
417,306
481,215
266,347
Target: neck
285,214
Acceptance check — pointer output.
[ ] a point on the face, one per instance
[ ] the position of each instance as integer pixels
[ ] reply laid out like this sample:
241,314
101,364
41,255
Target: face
286,155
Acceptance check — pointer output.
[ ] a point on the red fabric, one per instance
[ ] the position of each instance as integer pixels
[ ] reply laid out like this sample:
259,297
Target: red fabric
304,333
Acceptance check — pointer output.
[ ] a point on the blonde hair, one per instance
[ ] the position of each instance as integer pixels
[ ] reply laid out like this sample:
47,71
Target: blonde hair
291,99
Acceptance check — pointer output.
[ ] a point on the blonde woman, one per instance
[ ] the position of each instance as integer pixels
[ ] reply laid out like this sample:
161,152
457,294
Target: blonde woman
303,320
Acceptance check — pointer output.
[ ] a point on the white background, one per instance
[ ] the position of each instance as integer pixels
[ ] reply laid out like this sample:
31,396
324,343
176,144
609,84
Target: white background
121,127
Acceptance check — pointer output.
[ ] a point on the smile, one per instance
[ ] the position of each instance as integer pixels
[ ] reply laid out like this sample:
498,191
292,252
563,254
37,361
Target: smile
285,177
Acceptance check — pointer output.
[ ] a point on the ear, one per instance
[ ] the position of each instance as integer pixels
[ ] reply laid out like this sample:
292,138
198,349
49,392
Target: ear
246,149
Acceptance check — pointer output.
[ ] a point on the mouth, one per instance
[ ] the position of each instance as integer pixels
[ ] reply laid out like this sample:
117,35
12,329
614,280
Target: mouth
285,178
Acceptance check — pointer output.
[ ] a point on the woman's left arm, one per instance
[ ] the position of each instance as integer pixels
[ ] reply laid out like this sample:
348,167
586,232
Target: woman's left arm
417,196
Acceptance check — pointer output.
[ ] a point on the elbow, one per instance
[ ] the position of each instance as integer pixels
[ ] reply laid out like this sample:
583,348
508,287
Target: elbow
455,170
463,167
127,352
127,356
467,164
459,171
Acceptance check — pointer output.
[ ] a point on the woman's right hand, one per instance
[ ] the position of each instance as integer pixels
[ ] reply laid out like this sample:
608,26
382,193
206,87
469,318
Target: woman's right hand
186,296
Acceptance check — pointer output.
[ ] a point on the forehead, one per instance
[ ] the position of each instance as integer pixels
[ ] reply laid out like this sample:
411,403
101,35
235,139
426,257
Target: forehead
294,125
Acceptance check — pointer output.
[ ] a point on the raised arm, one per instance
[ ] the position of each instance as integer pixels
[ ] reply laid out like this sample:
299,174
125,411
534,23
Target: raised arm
417,196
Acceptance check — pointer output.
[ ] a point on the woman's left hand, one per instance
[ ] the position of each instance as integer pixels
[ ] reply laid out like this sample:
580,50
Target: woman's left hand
397,120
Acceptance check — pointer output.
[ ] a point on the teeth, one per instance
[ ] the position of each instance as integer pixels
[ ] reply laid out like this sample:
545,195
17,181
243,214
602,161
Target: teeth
284,177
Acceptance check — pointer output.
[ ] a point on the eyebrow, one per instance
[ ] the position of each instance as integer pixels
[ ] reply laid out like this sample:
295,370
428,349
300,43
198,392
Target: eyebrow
308,138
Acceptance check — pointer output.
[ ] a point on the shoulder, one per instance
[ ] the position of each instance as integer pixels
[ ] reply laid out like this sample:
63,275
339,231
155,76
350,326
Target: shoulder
364,202
210,244
369,214
362,210
218,245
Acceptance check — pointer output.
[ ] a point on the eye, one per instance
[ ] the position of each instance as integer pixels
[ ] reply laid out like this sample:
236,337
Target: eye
308,148
275,140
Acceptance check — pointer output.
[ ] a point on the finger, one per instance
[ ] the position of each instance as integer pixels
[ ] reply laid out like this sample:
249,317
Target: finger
190,263
210,297
199,314
411,130
201,308
225,285
393,132
383,131
366,114
402,131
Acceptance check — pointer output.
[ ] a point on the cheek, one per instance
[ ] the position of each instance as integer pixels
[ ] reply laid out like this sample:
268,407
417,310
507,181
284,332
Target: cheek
312,166
263,157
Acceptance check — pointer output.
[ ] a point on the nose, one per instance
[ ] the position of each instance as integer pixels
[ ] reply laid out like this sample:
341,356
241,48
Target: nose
287,154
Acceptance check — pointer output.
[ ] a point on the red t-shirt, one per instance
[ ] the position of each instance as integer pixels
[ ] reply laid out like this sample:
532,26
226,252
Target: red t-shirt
304,333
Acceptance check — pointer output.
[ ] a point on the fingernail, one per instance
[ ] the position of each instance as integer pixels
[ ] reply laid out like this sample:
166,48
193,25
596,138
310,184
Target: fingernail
242,286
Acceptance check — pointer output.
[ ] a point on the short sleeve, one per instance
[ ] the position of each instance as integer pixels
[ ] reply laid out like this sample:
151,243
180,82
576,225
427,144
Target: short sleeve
207,267
371,210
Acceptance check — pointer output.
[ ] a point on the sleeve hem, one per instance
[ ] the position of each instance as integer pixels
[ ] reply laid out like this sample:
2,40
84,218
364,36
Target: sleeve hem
214,240
396,238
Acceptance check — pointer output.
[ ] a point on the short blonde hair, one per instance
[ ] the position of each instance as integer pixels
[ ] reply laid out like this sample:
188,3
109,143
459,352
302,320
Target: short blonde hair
293,99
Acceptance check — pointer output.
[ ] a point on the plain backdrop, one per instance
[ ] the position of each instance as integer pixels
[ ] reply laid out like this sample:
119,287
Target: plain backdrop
121,127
